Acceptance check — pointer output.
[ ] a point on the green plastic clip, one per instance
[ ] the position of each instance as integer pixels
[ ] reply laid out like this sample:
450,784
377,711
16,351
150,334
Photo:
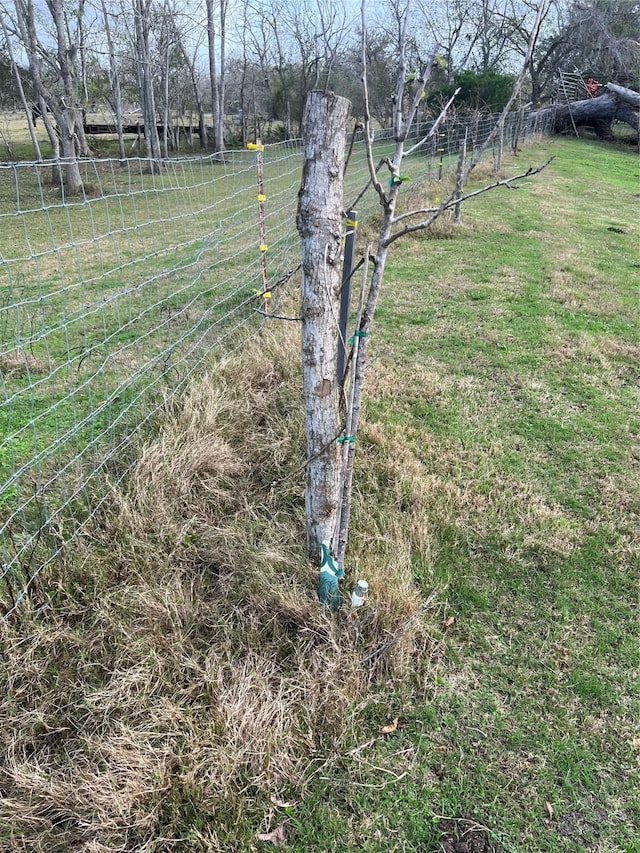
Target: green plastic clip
346,438
396,180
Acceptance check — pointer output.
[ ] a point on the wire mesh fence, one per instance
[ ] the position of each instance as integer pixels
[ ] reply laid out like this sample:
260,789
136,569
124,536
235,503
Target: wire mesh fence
112,301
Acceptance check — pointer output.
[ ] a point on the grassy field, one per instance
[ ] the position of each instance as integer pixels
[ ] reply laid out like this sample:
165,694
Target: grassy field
185,693
506,393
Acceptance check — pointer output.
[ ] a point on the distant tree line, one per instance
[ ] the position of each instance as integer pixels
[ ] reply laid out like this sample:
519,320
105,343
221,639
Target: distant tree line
236,71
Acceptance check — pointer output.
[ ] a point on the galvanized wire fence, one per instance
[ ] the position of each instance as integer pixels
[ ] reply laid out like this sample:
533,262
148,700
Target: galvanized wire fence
112,301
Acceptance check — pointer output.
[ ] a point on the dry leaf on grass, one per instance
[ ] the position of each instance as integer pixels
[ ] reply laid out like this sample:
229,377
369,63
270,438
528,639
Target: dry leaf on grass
386,730
448,622
281,804
277,837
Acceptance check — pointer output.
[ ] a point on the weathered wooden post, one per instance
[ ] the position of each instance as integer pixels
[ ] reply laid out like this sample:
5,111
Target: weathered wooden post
320,225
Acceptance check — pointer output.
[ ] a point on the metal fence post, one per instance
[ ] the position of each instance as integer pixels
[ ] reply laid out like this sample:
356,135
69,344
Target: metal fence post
345,292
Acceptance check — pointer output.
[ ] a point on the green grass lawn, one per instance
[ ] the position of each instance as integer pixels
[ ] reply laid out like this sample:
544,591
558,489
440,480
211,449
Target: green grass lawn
185,693
507,371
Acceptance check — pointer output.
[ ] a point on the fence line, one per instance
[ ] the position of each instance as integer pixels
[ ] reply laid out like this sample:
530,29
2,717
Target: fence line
112,301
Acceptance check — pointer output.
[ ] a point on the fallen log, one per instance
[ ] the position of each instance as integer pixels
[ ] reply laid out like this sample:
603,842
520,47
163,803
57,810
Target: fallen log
627,95
614,104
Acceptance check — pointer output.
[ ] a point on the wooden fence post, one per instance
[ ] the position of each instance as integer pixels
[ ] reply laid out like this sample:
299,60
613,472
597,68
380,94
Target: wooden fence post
320,225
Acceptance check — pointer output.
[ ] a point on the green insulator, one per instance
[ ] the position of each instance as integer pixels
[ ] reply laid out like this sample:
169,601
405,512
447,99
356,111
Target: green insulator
330,572
328,590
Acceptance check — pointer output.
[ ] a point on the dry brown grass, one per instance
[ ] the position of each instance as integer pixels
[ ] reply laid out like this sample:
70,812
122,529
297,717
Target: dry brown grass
20,363
427,192
185,671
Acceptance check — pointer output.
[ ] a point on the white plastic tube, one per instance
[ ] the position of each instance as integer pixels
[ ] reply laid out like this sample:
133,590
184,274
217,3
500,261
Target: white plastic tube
359,593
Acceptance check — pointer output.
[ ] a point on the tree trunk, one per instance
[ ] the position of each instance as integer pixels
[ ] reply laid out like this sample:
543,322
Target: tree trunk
202,124
597,113
165,97
71,129
25,17
20,88
243,107
84,149
257,131
72,176
56,171
114,81
288,131
222,85
145,80
629,96
213,75
320,225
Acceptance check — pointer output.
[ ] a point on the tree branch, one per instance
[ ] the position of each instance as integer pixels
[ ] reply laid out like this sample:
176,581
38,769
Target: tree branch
499,125
435,126
450,201
373,170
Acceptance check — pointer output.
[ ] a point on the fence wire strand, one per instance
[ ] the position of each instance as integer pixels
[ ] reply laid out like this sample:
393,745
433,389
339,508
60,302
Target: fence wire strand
110,304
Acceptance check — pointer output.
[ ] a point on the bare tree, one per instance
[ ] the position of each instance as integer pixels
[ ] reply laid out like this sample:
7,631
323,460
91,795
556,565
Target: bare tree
142,23
543,62
492,46
254,83
114,81
480,34
166,41
298,43
54,80
602,38
447,24
217,11
190,59
18,82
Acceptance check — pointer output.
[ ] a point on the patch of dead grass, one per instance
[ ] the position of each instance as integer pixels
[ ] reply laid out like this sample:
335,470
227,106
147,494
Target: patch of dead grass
185,670
21,363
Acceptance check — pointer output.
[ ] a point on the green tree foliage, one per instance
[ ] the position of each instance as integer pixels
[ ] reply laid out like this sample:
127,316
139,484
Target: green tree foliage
485,90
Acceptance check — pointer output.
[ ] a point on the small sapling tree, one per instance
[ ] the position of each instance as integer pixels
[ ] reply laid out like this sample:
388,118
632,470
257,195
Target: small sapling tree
328,493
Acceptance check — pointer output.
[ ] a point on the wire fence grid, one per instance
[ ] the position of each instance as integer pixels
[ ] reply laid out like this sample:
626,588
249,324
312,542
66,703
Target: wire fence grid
112,301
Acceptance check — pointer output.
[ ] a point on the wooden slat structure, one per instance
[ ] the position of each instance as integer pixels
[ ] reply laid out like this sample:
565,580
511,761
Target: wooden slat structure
138,129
